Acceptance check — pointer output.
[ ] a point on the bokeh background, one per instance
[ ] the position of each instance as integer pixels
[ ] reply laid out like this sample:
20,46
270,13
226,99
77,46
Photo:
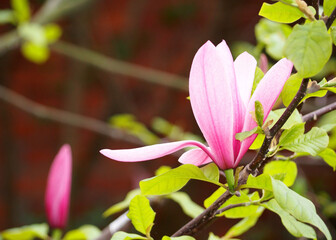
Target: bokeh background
155,35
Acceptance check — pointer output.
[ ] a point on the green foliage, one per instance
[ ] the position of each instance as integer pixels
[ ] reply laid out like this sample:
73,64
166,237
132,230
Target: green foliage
313,142
7,16
189,207
299,207
128,123
296,228
288,168
258,75
35,53
273,35
243,135
328,7
292,120
290,135
126,236
329,156
21,10
29,232
178,238
214,196
141,214
85,232
259,113
123,204
290,89
230,179
333,34
174,180
243,225
280,12
309,48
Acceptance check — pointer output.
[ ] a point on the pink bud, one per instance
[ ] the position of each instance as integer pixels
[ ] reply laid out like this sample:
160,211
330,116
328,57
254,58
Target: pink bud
57,196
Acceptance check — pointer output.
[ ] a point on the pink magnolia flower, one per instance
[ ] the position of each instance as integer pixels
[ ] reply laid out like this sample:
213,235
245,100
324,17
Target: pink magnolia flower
220,95
57,196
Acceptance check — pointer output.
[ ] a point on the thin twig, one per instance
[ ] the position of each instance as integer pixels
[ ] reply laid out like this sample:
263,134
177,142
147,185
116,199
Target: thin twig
65,117
228,207
117,225
331,18
315,114
120,67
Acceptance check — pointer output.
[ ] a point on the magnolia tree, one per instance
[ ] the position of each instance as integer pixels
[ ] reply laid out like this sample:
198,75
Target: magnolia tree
232,101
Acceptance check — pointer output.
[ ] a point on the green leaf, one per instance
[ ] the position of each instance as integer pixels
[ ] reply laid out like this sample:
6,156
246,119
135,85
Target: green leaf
243,135
328,7
162,170
258,75
211,172
296,228
173,180
331,89
244,225
7,16
244,211
123,204
33,32
35,53
319,93
329,156
263,181
52,32
314,44
289,135
280,12
292,120
333,34
257,142
313,142
126,236
213,237
141,214
85,232
299,207
178,238
259,113
273,35
230,180
288,168
21,10
189,207
27,232
213,197
290,89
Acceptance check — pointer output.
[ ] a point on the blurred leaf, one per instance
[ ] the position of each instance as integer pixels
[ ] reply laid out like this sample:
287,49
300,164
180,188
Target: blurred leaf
33,32
52,32
314,43
35,53
292,120
21,10
243,135
289,135
290,89
85,232
162,170
257,142
329,156
213,237
239,47
141,214
280,12
214,196
313,142
319,93
273,35
173,180
123,204
126,236
258,75
299,207
288,168
211,172
189,207
243,225
262,181
178,238
26,232
333,34
128,123
296,228
7,16
328,7
259,113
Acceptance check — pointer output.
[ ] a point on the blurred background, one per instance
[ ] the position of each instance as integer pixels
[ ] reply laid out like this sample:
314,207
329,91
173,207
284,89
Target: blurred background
118,78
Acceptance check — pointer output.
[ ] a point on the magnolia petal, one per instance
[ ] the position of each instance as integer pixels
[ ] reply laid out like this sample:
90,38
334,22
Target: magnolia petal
212,101
150,152
245,66
57,196
196,157
267,92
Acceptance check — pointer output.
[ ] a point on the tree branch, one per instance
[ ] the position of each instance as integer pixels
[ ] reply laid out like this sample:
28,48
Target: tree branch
331,19
316,6
319,112
64,117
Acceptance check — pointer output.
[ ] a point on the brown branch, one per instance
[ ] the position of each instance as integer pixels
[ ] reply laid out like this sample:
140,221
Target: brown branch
228,207
319,112
316,6
331,19
64,117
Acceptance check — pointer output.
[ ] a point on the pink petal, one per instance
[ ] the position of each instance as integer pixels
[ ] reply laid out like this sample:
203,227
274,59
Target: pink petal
245,66
267,93
196,157
212,101
150,152
57,196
